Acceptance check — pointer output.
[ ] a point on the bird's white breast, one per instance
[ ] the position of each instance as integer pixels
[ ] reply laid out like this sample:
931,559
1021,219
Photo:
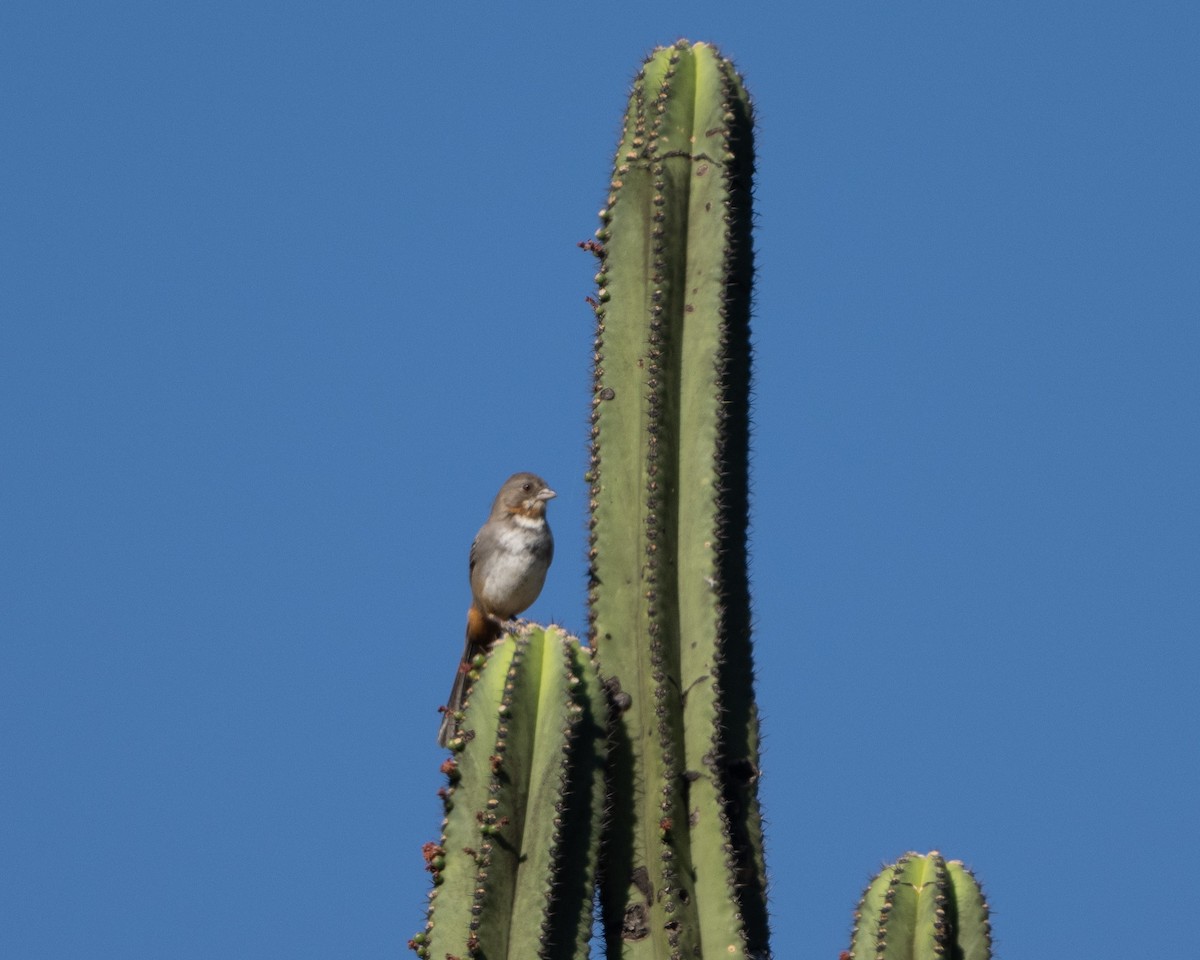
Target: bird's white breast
510,578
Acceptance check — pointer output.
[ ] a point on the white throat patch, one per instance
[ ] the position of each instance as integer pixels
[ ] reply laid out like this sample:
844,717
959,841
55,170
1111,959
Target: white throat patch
529,523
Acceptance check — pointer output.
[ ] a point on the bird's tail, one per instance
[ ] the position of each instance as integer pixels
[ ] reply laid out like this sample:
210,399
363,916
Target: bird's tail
482,632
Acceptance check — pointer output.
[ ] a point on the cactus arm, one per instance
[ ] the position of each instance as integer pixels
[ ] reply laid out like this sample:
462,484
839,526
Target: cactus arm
922,908
669,601
521,836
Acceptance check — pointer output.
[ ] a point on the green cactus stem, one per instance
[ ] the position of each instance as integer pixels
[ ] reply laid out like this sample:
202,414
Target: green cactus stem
669,599
922,908
514,874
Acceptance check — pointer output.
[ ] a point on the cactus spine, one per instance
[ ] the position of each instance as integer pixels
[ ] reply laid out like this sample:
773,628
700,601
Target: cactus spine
922,908
514,875
669,602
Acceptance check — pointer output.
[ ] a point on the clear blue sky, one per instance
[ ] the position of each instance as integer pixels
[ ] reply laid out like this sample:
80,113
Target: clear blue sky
288,289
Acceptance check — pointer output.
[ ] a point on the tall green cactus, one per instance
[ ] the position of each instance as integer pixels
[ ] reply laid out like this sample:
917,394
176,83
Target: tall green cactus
682,868
514,873
670,616
922,908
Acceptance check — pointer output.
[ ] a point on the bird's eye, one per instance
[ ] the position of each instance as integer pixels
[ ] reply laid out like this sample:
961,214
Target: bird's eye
527,487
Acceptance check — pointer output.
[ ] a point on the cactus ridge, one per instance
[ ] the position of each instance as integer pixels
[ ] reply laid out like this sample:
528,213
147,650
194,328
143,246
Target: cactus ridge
669,599
580,813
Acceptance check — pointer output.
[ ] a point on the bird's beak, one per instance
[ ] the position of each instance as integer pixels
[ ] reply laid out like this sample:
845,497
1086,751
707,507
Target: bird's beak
547,494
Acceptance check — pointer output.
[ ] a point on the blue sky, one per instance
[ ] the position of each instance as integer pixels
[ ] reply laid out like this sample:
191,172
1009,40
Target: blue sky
289,289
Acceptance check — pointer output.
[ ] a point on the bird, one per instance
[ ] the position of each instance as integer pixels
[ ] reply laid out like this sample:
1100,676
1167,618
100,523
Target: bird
509,559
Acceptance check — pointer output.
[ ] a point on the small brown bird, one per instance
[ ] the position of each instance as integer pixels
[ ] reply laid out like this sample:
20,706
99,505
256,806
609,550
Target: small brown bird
509,560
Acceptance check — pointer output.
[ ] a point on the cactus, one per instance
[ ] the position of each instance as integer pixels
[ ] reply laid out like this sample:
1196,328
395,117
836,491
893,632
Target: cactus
514,873
922,908
669,601
682,869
